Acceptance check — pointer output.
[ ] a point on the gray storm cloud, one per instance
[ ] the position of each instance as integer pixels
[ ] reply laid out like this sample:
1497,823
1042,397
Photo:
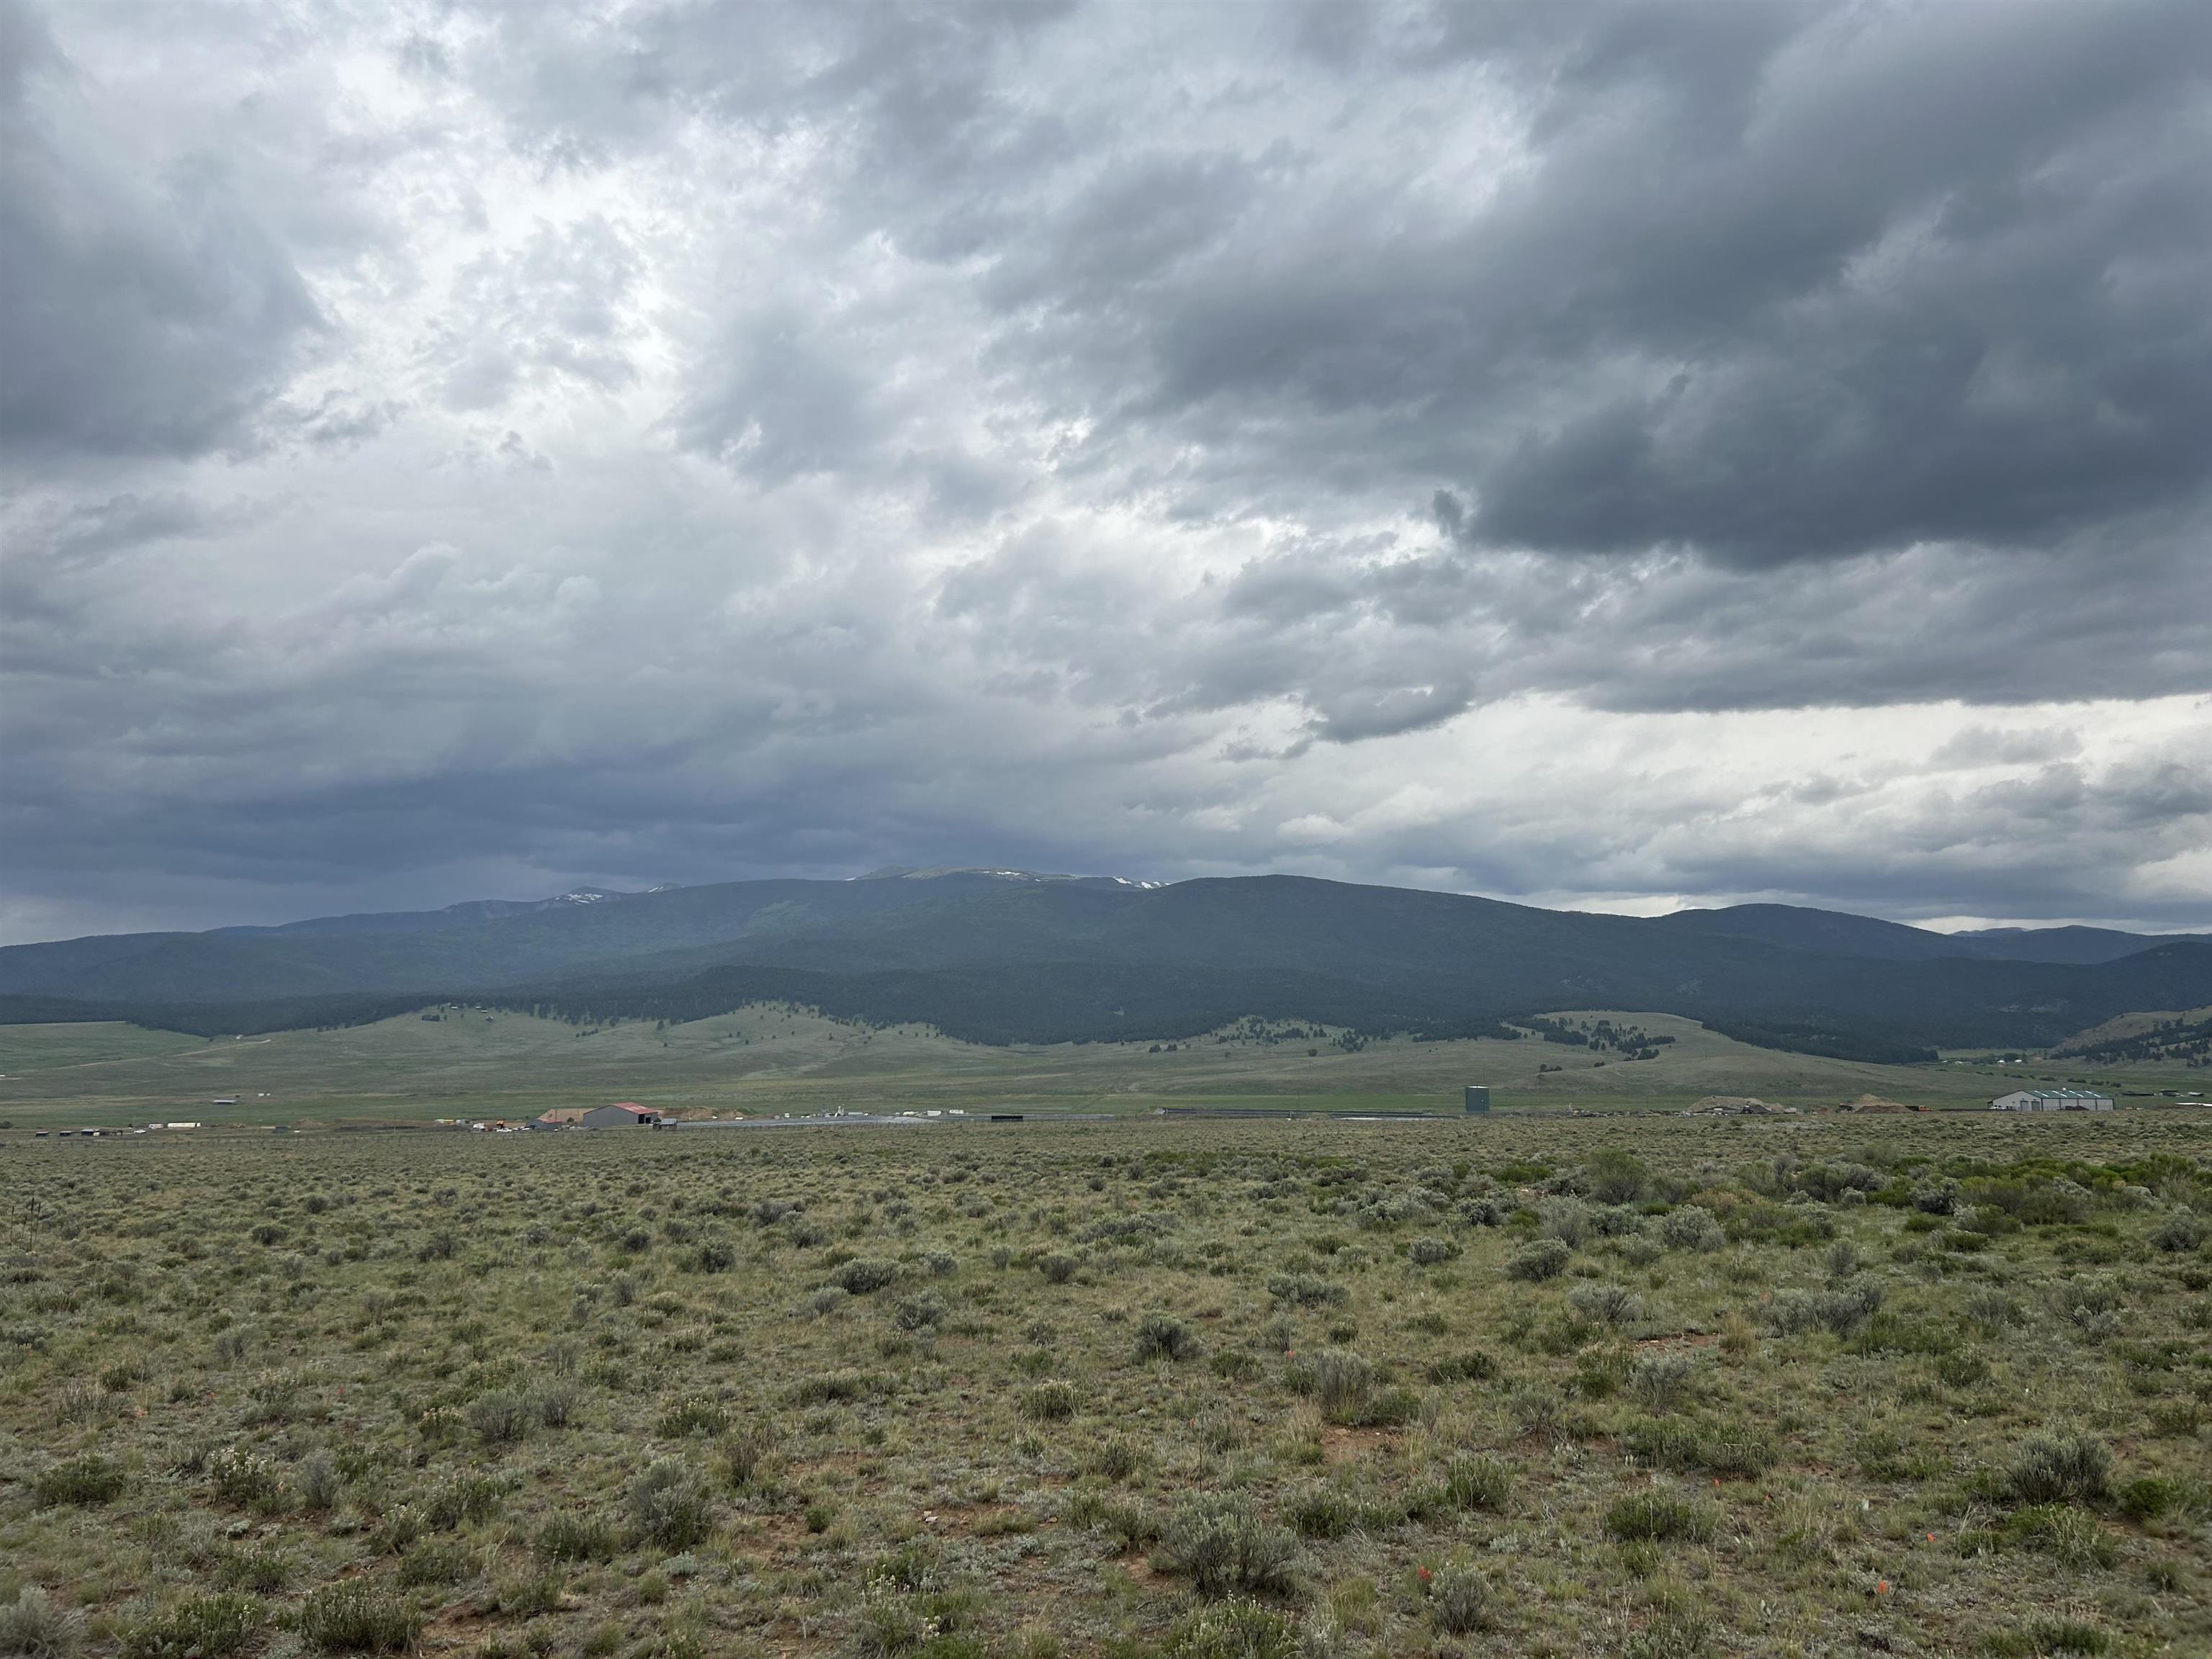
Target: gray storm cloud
1604,453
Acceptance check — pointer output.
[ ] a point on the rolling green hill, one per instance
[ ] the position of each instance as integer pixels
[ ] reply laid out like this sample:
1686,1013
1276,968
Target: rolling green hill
999,957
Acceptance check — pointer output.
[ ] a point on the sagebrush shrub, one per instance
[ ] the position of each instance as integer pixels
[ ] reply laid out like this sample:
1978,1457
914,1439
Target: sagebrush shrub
499,1417
33,1627
669,1506
1539,1260
2060,1469
2183,1230
204,1627
1607,1304
1659,1518
1477,1482
1344,1383
864,1277
1221,1545
355,1616
1052,1401
1692,1228
1232,1629
90,1478
1163,1336
1459,1598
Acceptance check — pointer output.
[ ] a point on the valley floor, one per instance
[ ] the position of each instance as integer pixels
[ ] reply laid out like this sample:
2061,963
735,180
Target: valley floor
1637,1387
469,1063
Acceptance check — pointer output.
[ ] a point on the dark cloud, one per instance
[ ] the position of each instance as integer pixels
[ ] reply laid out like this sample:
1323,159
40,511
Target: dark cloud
1597,453
146,313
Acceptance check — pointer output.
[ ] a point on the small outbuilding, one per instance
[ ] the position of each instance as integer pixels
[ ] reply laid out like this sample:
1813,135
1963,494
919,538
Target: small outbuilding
2052,1100
622,1115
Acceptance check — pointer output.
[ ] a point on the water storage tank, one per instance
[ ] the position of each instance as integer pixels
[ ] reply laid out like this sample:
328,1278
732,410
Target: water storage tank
1477,1098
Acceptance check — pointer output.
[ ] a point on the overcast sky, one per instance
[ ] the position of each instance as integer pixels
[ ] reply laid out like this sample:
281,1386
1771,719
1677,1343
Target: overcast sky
1616,456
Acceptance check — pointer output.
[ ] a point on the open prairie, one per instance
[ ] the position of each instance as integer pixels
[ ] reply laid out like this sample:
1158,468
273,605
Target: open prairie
1632,1386
486,1065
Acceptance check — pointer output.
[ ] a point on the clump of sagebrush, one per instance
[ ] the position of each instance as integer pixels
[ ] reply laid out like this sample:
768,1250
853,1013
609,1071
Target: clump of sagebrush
204,1627
1567,1219
356,1615
1539,1260
1220,1543
90,1478
1344,1383
1659,1518
1607,1304
2060,1469
1692,1228
1233,1630
668,1505
1163,1336
33,1627
1459,1599
1659,1381
2182,1229
863,1276
1052,1401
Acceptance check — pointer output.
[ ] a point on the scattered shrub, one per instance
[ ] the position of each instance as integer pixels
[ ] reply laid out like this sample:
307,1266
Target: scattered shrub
241,1479
2070,1536
90,1478
1427,1252
1459,1599
1692,1228
1539,1260
499,1417
2060,1469
204,1627
1470,1365
1607,1304
436,1561
574,1538
1222,1546
669,1506
1231,1630
1344,1384
1163,1336
33,1627
695,1413
1659,1381
315,1484
1659,1518
356,1616
2182,1229
1307,1290
864,1277
1477,1482
1052,1401
919,1313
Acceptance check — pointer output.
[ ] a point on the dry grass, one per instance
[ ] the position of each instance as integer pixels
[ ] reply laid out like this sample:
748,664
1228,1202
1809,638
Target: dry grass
1138,1389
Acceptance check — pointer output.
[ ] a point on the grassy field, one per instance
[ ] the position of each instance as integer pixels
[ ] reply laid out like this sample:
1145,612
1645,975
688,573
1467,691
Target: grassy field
1638,1387
478,1065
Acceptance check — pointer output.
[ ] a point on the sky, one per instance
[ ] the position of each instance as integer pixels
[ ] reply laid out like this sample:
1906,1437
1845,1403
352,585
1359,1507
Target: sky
1611,456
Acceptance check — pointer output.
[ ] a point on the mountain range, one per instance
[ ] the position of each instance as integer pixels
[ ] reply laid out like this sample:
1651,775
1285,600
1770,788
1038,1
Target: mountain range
1002,955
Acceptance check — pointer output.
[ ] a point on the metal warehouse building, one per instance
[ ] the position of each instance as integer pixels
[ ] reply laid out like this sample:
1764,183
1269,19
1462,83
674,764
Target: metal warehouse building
2052,1100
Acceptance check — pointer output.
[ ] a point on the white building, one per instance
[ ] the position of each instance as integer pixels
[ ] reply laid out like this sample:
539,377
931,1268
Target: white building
2052,1100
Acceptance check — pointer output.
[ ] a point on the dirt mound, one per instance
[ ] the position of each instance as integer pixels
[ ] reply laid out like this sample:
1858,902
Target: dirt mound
1875,1104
